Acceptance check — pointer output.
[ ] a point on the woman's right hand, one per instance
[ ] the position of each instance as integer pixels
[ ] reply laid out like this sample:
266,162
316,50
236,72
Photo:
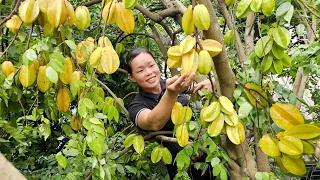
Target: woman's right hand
176,84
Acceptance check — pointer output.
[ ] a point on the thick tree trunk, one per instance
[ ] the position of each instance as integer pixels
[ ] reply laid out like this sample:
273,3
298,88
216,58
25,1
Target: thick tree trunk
261,158
225,75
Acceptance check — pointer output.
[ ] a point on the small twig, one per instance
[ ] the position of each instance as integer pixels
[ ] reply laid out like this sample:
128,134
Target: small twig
10,44
263,107
23,110
142,34
127,95
113,95
34,102
29,37
308,7
174,34
12,13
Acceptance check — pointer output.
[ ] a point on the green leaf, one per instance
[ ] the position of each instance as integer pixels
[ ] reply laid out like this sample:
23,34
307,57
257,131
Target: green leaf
95,121
56,65
113,155
95,147
102,173
71,152
88,103
56,56
138,144
278,65
129,140
45,130
277,51
223,174
193,125
289,14
3,140
113,113
62,161
166,155
131,169
189,150
75,86
156,155
283,9
67,129
31,55
266,63
215,161
243,8
263,46
262,176
120,168
244,110
256,5
216,170
281,36
237,93
292,98
300,29
82,110
71,44
52,75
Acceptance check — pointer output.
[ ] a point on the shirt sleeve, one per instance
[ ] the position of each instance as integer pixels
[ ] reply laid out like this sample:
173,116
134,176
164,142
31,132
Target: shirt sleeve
134,111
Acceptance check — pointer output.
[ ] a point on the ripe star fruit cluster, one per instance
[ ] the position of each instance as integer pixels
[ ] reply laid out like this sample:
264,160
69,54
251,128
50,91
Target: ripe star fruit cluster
50,14
190,59
218,117
121,14
104,58
288,147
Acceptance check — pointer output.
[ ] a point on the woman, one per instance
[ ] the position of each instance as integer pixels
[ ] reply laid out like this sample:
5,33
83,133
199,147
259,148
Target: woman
151,108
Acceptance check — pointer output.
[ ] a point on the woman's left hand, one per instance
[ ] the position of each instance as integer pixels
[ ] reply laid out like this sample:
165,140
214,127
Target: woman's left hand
206,84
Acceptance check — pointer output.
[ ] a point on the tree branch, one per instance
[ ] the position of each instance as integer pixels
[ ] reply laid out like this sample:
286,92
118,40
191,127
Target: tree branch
225,76
307,6
90,3
239,46
15,9
261,158
114,96
158,17
141,34
10,44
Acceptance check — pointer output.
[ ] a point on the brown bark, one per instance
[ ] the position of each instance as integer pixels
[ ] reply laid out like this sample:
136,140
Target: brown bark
239,46
297,81
225,75
158,17
301,80
8,171
301,89
176,4
261,158
249,34
244,164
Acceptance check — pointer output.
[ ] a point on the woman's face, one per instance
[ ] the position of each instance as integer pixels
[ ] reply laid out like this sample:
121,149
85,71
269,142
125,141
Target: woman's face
145,72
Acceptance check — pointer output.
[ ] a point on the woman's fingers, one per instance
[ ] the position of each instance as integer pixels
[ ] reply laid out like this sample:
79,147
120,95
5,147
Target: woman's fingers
197,87
171,80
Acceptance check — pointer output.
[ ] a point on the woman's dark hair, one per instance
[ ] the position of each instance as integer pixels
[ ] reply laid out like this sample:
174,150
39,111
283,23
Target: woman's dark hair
134,53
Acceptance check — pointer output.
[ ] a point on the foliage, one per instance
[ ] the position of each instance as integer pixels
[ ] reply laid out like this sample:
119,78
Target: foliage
85,132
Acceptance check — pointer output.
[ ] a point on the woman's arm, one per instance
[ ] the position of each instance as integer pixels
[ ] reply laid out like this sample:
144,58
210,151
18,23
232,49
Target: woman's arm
155,119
